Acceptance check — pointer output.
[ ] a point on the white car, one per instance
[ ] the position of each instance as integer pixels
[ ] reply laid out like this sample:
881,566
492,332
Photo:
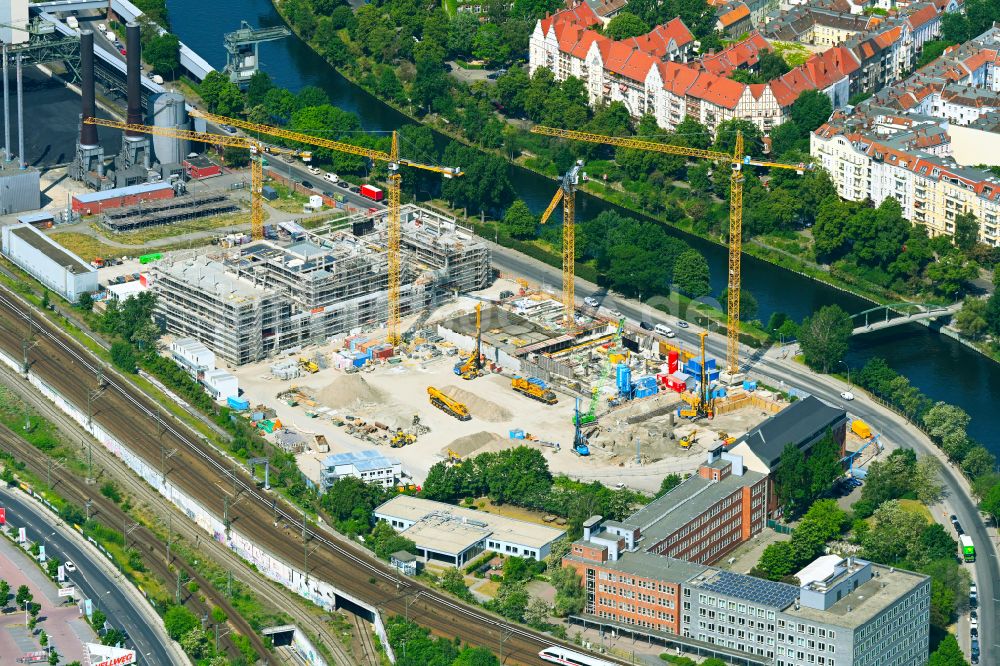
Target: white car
973,622
847,395
616,314
313,170
69,566
102,27
591,301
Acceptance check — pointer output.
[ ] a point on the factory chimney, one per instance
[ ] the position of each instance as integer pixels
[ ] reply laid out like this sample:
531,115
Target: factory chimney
133,78
88,133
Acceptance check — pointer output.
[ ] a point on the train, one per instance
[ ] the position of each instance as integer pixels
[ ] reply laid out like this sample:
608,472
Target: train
561,655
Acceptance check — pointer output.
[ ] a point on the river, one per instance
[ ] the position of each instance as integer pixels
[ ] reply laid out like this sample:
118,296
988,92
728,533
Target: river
941,367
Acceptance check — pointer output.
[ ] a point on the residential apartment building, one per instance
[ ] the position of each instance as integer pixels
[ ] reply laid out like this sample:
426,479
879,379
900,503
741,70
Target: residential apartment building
657,73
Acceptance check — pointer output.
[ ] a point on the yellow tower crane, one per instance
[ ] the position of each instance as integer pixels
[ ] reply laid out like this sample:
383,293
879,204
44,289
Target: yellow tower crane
567,193
392,160
737,160
256,148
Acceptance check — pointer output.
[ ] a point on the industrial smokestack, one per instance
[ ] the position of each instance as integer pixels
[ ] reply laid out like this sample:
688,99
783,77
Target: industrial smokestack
88,133
133,77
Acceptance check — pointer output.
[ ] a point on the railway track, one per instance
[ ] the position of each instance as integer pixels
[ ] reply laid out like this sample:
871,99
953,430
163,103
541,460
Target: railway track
280,597
78,492
217,481
369,655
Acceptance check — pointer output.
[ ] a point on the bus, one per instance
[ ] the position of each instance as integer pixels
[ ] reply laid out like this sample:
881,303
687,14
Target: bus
968,548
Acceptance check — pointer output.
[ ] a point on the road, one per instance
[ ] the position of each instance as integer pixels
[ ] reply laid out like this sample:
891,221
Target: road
91,577
775,369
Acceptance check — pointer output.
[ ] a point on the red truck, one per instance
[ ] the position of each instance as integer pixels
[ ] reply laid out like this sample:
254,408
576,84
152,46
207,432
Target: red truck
371,192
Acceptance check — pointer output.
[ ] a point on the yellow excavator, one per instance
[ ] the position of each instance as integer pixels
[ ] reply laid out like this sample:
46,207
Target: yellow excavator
448,405
473,366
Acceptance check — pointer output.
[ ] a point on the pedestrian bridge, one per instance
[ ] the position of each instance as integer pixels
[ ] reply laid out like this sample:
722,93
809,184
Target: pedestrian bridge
898,314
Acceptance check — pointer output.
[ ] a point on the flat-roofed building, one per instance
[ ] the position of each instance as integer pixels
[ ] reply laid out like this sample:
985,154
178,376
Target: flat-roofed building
48,262
368,465
454,535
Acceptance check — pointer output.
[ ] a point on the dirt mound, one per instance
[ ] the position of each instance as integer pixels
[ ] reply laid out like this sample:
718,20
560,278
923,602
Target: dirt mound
349,391
480,408
470,444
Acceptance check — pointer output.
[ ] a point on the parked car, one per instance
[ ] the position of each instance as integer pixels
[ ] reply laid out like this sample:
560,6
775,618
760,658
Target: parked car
973,596
344,184
847,395
645,325
123,51
591,301
313,170
506,293
493,76
958,528
229,129
616,314
306,184
69,566
681,323
355,189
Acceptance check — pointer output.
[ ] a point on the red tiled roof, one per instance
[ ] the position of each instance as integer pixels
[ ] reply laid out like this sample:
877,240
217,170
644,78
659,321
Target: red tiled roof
677,78
630,63
740,54
581,15
718,90
888,38
737,13
922,16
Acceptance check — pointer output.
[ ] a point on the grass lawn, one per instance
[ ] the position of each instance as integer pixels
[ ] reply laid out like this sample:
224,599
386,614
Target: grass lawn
918,507
287,201
90,248
143,236
794,54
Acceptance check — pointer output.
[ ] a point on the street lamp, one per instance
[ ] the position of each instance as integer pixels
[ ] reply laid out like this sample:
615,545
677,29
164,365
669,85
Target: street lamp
848,372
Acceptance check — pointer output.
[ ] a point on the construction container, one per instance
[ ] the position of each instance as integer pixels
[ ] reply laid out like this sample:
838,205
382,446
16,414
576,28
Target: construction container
749,385
239,404
517,434
677,382
623,378
266,426
269,193
644,392
382,351
861,429
672,361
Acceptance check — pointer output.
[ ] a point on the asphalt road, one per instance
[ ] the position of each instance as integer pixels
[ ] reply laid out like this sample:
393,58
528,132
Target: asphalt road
92,580
985,571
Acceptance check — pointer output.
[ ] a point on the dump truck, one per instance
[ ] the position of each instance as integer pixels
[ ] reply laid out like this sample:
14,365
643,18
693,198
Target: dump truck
861,429
534,390
448,405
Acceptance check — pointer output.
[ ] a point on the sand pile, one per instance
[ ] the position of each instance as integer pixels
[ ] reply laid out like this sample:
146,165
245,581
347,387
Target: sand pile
349,391
475,443
480,408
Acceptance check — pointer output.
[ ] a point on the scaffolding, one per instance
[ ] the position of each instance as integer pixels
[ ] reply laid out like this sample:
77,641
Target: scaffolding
159,212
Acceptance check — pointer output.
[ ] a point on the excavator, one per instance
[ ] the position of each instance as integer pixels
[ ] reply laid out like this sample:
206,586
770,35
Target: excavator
448,405
533,390
401,438
473,366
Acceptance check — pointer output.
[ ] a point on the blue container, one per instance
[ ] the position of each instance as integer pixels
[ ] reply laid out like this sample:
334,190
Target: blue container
623,377
537,382
517,434
749,385
239,404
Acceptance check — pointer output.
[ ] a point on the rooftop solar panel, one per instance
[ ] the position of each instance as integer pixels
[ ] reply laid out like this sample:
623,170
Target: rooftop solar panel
748,588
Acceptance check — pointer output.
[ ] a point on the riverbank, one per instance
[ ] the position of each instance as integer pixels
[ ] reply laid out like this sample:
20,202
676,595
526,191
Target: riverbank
760,248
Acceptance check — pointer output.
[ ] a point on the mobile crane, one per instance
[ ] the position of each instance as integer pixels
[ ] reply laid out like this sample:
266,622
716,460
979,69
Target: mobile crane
448,405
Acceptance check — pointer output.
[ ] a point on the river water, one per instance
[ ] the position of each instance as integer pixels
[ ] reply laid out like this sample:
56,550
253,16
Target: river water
941,367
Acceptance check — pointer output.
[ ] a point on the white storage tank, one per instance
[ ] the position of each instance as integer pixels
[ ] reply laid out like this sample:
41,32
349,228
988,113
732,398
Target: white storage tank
168,111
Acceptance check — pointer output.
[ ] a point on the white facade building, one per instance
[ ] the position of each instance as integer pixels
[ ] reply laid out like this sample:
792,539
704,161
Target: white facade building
368,465
48,262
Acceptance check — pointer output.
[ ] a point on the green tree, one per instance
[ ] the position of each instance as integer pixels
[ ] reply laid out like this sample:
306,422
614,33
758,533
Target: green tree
257,88
776,562
625,25
570,596
236,157
163,53
992,313
990,503
786,137
488,44
4,593
195,643
927,480
947,425
518,221
23,596
792,479
887,479
669,482
511,601
748,304
947,653
811,109
536,613
178,621
46,302
770,65
824,337
725,138
43,638
978,461
971,319
950,274
53,657
896,531
454,582
823,465
123,356
85,302
475,656
936,543
966,231
385,541
691,274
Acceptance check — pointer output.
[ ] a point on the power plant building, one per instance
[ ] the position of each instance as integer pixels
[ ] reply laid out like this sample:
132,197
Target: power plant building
19,188
51,264
267,297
